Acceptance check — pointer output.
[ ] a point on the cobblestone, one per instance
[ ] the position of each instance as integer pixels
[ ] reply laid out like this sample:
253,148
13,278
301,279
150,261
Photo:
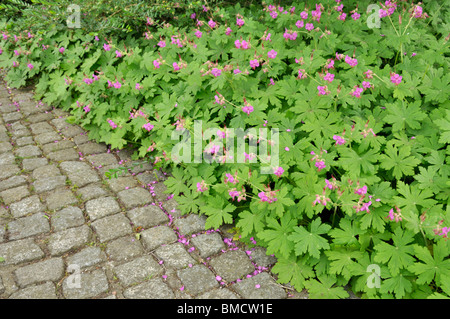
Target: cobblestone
68,232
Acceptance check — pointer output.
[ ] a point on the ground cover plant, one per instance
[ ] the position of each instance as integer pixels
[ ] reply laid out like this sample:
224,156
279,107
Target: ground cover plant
359,92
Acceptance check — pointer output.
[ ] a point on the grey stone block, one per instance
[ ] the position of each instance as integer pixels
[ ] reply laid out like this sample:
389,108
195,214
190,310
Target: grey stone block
68,154
7,158
268,288
20,251
91,148
65,240
58,146
14,194
46,171
41,127
8,170
102,159
121,183
48,270
49,183
138,270
157,236
30,164
175,256
87,257
67,218
91,285
60,198
79,173
112,227
124,248
208,244
13,181
191,224
101,207
47,137
5,147
147,216
152,289
28,226
28,151
44,291
91,191
133,197
197,279
232,265
220,293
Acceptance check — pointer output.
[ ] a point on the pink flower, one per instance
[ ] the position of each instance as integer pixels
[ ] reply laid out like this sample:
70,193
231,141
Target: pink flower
366,85
138,86
240,22
342,16
356,16
201,186
237,44
357,92
112,124
30,66
329,77
236,71
382,13
274,14
148,127
118,54
365,207
247,109
86,109
323,90
309,26
230,179
176,67
278,171
117,85
272,54
330,64
162,44
212,24
245,45
156,64
368,74
15,64
350,61
254,63
198,34
361,191
228,31
106,47
320,165
304,15
444,232
216,72
299,24
61,50
417,13
396,79
339,139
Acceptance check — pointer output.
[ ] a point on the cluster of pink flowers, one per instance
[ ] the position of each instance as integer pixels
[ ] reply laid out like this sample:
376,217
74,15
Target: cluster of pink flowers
219,99
112,124
239,195
441,231
319,162
268,195
323,90
329,77
357,91
321,199
339,140
272,54
148,127
290,35
396,78
231,179
278,171
388,9
254,63
351,61
242,44
201,186
397,216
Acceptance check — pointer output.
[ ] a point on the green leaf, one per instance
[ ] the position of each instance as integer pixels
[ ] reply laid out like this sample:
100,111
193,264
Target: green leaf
342,261
401,163
323,288
398,284
250,221
293,270
433,267
310,241
218,213
347,233
401,115
399,255
276,236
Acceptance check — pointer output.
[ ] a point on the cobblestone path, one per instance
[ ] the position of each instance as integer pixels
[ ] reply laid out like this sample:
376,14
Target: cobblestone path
67,231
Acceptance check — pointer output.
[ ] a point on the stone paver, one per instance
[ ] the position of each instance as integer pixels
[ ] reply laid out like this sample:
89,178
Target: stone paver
67,231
